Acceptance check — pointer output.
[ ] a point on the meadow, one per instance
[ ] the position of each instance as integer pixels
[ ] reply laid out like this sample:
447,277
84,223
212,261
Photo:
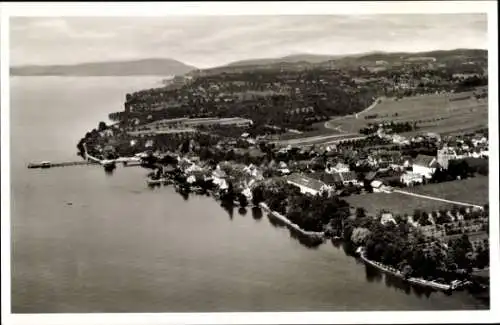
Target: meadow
445,114
473,190
441,113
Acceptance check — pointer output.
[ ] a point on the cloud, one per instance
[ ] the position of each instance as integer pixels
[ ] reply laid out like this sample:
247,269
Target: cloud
209,41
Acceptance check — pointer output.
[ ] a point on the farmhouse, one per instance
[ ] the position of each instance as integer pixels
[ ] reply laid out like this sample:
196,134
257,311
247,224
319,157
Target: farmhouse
377,186
425,165
398,139
283,168
348,177
386,218
332,180
338,168
411,178
307,185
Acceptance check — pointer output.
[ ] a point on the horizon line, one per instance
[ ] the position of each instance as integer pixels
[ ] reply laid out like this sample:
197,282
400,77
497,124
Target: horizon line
245,59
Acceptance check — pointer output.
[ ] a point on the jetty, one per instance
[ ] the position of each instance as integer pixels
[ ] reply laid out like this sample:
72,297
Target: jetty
108,164
126,161
48,164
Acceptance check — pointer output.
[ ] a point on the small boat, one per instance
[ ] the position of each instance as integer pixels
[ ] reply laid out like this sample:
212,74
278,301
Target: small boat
45,164
159,181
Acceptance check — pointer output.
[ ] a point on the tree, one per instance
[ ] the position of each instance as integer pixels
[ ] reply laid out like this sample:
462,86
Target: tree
243,200
360,235
417,214
102,126
257,195
185,146
483,257
460,247
360,212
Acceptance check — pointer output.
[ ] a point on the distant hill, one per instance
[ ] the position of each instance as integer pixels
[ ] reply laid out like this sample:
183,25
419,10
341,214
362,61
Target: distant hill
159,67
300,61
295,58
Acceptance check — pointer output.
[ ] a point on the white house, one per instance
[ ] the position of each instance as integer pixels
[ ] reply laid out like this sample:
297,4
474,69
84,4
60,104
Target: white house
349,177
376,185
475,155
307,185
253,171
339,168
425,165
477,141
396,138
283,168
386,218
219,176
247,193
410,178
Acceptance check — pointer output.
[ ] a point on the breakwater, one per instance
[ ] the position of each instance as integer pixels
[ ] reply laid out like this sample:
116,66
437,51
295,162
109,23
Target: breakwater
289,223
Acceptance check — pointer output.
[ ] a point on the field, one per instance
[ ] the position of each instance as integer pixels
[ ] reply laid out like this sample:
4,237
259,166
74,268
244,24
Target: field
441,113
473,190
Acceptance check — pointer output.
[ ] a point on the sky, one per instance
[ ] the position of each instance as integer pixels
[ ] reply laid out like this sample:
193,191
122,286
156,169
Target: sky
208,41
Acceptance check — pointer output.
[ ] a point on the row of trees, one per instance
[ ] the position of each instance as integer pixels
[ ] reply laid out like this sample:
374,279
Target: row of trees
391,127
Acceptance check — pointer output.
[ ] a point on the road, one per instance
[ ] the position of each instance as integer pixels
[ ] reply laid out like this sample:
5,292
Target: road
337,128
437,199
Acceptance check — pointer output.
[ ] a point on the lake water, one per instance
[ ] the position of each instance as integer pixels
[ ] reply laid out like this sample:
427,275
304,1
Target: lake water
84,241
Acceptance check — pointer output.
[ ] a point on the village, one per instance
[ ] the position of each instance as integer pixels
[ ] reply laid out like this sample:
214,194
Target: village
392,163
248,171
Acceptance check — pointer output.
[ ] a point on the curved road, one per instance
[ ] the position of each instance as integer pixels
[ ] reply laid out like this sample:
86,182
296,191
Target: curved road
337,128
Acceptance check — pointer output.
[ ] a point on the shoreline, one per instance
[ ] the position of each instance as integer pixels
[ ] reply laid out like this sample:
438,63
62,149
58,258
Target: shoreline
167,180
412,280
289,223
180,188
321,236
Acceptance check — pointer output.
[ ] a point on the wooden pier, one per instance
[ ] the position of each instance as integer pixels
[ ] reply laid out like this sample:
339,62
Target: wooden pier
126,162
60,164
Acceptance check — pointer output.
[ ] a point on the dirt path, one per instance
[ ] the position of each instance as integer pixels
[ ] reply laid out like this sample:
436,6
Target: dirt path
337,128
438,199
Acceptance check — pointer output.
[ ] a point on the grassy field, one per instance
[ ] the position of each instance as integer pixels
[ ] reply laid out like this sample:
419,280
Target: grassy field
473,190
395,203
433,113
